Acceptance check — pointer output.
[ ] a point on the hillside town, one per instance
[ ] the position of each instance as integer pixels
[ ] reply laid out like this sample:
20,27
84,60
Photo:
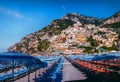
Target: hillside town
79,38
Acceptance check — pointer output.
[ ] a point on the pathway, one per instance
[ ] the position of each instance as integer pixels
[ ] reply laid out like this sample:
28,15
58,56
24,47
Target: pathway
70,73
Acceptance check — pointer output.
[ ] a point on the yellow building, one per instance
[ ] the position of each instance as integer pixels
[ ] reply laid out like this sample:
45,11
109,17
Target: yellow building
81,38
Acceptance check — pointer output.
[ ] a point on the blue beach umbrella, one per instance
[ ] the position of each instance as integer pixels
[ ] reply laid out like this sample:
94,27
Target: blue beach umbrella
15,57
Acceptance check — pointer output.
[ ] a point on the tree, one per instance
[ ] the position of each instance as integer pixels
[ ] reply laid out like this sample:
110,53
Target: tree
100,32
92,41
88,49
43,45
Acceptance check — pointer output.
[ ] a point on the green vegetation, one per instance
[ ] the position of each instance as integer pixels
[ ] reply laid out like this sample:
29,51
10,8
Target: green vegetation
88,49
92,41
18,48
96,51
113,25
93,44
119,34
57,26
43,45
100,32
64,23
80,47
110,48
74,45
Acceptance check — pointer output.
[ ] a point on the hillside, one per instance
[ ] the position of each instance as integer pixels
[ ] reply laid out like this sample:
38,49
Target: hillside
112,19
83,19
71,33
113,22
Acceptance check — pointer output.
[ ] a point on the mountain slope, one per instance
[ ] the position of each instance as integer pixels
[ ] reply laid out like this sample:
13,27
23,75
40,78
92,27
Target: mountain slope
42,40
113,22
112,19
30,43
83,19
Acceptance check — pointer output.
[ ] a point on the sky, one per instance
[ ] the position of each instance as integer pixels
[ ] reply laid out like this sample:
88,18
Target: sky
21,17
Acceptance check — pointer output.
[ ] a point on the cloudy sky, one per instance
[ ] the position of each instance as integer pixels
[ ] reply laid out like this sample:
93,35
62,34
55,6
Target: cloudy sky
21,17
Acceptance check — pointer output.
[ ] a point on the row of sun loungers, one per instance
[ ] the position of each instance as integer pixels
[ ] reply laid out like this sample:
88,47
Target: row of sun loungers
106,69
53,73
16,73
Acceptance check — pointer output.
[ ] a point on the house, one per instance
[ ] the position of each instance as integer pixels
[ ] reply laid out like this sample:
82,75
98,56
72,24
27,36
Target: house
81,38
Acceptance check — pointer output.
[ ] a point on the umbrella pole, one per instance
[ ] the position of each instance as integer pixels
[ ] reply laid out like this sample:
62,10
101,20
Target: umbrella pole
28,75
35,72
12,70
105,66
39,71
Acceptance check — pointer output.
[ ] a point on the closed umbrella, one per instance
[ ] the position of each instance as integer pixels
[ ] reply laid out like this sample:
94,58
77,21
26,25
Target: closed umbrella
104,57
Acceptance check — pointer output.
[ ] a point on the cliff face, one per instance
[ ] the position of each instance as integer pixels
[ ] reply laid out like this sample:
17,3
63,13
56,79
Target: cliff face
113,22
44,39
112,19
83,19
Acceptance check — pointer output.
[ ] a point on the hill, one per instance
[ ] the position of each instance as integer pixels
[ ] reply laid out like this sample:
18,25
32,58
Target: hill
71,34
